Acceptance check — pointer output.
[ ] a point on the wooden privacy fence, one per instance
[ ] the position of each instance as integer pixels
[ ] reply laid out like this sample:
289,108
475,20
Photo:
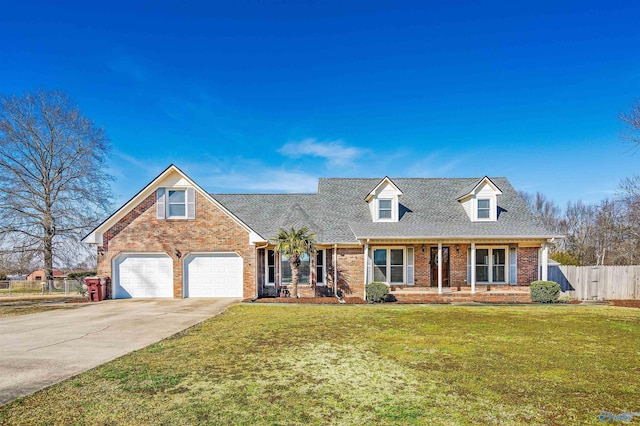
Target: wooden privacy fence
598,282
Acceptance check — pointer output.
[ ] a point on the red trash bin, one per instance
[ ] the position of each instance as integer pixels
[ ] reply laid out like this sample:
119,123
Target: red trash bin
102,288
93,284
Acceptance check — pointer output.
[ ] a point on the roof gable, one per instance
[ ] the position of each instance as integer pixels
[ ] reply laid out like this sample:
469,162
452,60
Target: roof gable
172,176
385,183
475,188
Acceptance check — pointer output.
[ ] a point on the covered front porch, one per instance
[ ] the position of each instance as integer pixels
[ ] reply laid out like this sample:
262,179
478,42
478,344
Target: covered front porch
455,267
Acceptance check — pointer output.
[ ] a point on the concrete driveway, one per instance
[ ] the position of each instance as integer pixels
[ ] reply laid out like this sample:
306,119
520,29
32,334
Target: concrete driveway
42,349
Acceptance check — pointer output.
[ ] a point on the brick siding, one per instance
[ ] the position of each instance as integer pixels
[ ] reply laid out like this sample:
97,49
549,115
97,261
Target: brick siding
212,230
527,265
350,271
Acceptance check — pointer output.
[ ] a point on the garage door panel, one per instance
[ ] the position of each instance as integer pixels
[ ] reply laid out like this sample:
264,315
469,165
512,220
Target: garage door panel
143,276
214,275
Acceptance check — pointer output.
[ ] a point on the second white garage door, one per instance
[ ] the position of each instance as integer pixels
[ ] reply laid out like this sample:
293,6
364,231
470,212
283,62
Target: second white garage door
213,275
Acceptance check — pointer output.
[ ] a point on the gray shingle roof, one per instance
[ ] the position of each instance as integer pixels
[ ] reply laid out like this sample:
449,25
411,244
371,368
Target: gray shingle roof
428,209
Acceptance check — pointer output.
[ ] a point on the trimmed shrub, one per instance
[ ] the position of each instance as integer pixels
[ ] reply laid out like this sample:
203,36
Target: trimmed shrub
564,258
377,292
545,291
80,275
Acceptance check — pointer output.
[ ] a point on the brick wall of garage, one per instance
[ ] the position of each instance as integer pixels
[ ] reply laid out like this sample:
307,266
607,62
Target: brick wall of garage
212,230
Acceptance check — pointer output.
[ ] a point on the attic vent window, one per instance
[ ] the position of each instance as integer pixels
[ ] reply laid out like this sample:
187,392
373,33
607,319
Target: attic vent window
484,209
384,209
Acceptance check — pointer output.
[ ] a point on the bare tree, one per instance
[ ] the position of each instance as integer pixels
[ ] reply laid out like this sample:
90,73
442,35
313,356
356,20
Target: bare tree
631,119
54,187
630,198
608,233
544,208
581,221
548,212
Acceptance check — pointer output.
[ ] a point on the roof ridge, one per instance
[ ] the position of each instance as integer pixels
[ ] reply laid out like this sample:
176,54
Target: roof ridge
263,193
412,178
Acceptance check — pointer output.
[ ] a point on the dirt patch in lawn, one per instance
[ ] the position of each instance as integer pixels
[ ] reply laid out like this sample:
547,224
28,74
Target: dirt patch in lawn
12,307
21,309
78,300
626,303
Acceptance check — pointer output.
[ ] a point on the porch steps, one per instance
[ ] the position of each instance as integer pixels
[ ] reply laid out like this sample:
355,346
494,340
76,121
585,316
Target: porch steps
416,296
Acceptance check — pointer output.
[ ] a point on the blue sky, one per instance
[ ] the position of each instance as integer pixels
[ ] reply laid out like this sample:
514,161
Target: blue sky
249,96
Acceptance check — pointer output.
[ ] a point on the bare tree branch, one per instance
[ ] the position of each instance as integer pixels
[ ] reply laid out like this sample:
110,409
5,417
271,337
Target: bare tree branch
631,120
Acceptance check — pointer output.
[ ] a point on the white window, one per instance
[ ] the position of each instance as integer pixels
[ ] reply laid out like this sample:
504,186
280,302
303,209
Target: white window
304,271
484,208
176,203
384,209
491,265
320,262
388,265
271,267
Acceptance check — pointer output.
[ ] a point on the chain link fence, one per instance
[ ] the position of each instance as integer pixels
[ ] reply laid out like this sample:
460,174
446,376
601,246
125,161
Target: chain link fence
66,287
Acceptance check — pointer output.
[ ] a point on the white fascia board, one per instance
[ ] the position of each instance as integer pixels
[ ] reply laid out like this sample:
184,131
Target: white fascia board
90,239
95,236
462,237
255,238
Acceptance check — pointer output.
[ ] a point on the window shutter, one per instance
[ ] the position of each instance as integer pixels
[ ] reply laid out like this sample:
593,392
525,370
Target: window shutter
513,266
191,203
160,203
410,268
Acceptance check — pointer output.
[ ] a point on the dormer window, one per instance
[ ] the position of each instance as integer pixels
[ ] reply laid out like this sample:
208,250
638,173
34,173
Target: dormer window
383,201
384,209
480,202
484,208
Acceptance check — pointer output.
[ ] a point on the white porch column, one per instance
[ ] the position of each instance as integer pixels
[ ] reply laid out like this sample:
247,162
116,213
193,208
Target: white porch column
335,269
366,268
544,261
473,268
439,268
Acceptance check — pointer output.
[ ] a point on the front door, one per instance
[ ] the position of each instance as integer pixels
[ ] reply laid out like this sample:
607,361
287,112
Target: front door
434,266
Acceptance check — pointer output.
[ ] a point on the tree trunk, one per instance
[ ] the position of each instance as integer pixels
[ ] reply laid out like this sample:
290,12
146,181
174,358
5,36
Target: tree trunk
295,274
48,258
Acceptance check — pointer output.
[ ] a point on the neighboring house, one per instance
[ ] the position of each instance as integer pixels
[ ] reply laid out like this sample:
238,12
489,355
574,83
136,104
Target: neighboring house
39,275
173,239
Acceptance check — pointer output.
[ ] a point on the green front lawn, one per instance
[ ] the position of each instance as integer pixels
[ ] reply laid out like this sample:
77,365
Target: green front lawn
366,364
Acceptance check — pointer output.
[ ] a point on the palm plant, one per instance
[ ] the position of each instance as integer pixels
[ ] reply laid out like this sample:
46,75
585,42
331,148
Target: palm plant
295,243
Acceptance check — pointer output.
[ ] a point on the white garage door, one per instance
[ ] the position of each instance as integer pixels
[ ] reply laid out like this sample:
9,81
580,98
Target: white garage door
143,275
213,275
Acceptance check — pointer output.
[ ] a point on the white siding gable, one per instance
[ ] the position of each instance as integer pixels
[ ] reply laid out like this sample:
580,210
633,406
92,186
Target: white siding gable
383,198
483,197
